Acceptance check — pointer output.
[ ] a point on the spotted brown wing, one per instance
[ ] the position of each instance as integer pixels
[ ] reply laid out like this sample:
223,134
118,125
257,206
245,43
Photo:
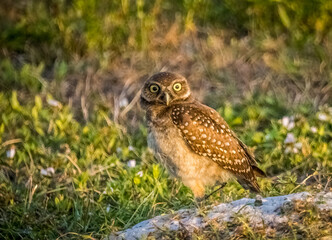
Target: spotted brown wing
207,134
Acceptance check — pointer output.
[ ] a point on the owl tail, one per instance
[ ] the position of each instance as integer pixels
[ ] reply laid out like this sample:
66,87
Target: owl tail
252,185
258,172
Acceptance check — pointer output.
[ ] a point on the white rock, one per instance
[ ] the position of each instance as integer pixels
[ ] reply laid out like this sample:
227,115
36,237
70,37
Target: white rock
269,214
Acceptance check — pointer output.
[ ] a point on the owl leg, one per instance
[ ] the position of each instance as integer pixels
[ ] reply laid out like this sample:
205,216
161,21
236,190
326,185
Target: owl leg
197,188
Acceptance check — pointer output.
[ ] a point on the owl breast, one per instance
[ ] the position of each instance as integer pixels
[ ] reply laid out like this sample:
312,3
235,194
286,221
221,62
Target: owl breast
173,153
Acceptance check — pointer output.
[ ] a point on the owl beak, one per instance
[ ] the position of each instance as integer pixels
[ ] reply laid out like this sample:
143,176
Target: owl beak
166,98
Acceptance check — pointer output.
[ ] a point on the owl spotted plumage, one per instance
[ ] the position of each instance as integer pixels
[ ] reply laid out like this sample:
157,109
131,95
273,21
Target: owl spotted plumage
192,140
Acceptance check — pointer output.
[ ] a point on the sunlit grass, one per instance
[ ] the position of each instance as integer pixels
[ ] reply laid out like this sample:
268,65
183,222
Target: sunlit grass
73,156
59,175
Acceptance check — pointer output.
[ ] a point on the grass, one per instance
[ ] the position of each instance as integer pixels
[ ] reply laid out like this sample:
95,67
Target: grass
104,179
73,156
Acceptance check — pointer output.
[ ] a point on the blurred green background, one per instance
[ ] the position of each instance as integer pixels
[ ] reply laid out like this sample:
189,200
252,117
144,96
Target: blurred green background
73,156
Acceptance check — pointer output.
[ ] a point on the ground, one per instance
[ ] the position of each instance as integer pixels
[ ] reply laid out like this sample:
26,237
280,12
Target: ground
272,217
74,162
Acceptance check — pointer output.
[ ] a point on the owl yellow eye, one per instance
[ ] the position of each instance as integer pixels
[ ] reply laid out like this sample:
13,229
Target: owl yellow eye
177,86
154,88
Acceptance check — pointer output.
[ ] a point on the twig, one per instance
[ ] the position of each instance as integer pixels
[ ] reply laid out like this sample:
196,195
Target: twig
221,186
12,141
304,181
74,163
131,104
327,184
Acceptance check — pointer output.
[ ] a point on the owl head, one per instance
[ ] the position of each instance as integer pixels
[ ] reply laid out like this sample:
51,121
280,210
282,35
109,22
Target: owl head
165,88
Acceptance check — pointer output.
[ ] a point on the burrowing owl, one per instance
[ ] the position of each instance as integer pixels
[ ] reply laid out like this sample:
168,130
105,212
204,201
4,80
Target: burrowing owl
192,140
